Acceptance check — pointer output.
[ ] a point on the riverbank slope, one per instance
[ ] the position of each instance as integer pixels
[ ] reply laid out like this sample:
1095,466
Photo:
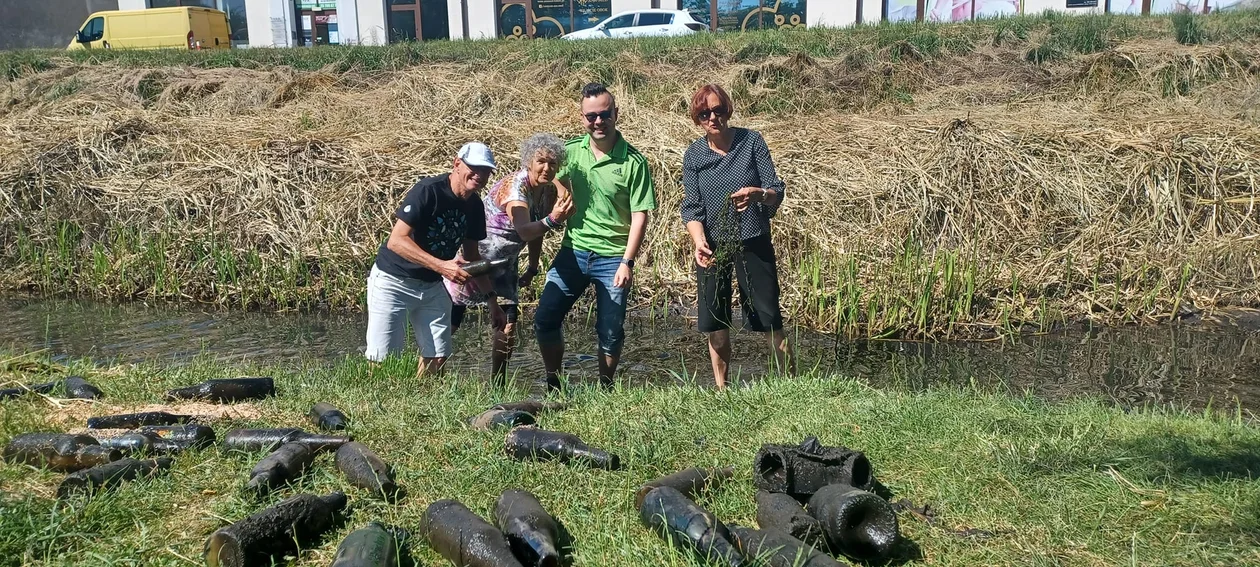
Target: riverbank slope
943,180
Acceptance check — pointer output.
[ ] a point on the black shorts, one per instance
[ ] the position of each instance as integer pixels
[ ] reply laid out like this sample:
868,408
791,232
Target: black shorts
758,287
458,311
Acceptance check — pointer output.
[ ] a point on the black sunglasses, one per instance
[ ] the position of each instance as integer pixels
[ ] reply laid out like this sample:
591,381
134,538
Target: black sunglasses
592,116
718,111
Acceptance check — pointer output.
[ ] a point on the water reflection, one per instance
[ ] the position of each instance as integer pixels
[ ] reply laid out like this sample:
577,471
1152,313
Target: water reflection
1188,366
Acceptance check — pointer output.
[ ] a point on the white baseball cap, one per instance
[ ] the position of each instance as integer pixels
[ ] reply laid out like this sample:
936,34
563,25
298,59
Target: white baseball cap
477,154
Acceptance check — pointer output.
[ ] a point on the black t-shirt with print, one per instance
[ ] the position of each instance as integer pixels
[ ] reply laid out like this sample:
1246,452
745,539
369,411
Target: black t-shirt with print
440,222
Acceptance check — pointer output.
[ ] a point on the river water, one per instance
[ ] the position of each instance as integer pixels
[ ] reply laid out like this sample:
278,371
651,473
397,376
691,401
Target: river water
1184,366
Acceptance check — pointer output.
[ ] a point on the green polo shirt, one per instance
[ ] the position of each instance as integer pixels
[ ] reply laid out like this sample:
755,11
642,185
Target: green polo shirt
605,192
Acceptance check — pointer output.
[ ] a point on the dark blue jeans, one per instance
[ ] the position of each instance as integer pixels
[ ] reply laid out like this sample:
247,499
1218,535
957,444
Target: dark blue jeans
570,274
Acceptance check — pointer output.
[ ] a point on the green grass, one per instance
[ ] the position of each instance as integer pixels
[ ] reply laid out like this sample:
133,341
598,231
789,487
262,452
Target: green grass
1079,483
1077,34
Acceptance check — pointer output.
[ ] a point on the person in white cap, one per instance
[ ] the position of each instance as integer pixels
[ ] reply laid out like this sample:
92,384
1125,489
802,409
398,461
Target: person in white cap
440,216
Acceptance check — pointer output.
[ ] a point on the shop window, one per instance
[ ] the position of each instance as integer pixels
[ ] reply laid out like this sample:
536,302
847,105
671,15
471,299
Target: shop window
520,19
743,15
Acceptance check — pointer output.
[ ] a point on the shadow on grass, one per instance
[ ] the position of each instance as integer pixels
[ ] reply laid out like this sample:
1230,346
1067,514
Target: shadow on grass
1165,458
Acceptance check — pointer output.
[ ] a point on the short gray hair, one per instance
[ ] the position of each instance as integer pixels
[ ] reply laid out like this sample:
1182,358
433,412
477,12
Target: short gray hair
547,144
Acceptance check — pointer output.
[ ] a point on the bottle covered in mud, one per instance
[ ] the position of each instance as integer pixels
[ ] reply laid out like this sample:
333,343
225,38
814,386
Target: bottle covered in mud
482,267
282,466
689,482
495,418
778,549
135,420
192,435
674,517
463,538
110,475
374,545
532,533
366,470
254,440
43,388
855,522
777,511
328,418
533,407
78,388
59,452
141,443
531,443
257,539
225,390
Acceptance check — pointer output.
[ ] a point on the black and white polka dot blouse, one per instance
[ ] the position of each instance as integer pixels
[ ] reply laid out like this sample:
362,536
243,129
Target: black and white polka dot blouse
710,178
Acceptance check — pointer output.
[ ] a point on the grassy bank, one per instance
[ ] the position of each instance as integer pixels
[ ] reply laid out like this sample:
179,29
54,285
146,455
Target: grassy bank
1073,484
943,179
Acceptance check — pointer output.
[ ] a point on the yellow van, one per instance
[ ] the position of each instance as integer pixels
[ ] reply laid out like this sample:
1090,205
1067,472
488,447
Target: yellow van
186,27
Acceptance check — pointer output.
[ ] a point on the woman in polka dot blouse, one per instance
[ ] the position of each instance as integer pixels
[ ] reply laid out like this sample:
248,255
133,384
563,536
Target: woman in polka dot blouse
731,193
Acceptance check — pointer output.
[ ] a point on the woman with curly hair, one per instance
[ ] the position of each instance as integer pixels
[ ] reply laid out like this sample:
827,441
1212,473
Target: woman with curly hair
521,209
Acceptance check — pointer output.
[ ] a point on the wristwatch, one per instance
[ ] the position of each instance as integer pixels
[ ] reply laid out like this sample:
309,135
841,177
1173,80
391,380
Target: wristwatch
629,262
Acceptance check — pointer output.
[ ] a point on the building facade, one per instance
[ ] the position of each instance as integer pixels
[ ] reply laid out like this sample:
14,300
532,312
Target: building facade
294,23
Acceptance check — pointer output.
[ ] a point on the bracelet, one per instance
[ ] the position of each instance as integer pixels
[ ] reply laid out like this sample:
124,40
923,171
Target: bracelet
549,223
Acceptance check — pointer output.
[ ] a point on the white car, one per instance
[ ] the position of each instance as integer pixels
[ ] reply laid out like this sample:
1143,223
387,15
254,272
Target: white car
642,23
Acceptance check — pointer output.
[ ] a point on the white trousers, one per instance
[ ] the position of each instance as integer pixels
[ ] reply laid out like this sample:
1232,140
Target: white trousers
392,301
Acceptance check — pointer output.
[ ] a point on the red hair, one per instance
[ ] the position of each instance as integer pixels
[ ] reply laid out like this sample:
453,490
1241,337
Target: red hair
700,101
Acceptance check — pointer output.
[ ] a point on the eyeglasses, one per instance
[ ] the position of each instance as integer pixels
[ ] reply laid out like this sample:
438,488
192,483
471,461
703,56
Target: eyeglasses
607,115
717,112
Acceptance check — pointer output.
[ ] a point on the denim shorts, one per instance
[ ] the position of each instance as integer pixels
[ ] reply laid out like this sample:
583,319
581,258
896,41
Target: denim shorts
570,274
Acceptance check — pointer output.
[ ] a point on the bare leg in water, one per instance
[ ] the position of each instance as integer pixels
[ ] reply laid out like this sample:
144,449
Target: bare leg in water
552,355
784,361
720,356
430,367
607,369
503,343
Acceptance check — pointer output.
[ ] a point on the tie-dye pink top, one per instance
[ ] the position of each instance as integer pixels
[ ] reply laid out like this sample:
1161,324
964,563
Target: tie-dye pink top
502,240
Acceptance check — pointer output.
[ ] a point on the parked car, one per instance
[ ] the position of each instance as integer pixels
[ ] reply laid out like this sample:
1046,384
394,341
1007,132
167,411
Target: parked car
642,23
186,27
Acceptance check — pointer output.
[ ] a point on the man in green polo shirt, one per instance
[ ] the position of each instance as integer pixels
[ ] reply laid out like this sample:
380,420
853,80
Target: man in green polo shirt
612,194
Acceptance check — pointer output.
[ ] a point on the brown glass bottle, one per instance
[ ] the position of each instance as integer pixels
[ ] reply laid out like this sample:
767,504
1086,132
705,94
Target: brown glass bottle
225,390
77,387
256,539
280,467
141,443
328,418
254,440
463,538
778,549
532,534
782,512
491,419
44,388
531,443
110,475
195,436
676,518
366,470
689,482
134,420
59,451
